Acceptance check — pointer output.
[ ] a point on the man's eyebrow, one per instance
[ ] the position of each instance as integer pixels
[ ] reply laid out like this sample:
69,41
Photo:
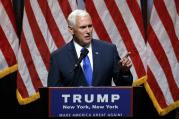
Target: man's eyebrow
84,26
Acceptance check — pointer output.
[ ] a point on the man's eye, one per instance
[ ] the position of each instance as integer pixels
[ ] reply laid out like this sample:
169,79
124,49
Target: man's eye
89,26
83,27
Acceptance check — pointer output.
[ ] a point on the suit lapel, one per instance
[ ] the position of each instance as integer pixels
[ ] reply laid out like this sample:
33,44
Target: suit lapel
96,60
78,79
72,52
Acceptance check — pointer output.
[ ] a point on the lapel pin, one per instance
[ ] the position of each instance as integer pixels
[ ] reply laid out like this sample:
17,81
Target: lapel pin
96,53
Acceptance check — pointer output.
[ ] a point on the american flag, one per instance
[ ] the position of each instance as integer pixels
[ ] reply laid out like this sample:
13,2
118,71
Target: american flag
45,29
163,56
9,42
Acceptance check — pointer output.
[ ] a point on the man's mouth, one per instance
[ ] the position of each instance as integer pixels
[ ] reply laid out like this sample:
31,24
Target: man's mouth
87,37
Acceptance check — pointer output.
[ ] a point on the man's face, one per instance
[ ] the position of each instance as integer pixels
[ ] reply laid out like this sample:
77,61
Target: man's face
83,30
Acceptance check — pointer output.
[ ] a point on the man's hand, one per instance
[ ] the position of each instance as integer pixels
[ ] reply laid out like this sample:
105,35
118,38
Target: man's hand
125,62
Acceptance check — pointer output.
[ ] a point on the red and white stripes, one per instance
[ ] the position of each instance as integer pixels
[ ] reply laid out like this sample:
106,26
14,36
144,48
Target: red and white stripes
44,22
120,22
9,42
163,50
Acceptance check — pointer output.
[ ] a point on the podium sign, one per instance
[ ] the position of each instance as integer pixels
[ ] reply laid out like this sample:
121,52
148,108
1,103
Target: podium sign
90,102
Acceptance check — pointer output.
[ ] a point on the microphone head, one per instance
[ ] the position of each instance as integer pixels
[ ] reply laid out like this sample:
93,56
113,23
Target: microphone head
84,52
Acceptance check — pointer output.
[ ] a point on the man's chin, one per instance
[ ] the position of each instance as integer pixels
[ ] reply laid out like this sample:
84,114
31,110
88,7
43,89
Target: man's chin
87,43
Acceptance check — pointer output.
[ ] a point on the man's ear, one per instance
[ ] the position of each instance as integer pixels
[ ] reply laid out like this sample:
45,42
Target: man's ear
70,29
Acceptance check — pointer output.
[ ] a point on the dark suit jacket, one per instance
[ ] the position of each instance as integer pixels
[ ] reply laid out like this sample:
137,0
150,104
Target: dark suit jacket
105,67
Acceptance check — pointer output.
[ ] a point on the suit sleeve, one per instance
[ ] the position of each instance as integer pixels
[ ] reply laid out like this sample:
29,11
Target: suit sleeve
120,77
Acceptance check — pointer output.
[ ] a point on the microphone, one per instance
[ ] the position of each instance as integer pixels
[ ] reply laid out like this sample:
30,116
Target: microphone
83,54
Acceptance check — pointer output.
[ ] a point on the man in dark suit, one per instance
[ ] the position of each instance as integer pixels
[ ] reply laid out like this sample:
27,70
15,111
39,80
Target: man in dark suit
105,63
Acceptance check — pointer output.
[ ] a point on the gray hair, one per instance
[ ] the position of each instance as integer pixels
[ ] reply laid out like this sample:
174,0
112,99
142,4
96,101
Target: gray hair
73,15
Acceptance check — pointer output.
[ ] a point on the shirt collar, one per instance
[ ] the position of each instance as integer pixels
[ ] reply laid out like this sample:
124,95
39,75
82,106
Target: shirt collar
79,47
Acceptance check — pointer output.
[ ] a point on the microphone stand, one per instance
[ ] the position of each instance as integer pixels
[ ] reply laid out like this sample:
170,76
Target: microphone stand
77,69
